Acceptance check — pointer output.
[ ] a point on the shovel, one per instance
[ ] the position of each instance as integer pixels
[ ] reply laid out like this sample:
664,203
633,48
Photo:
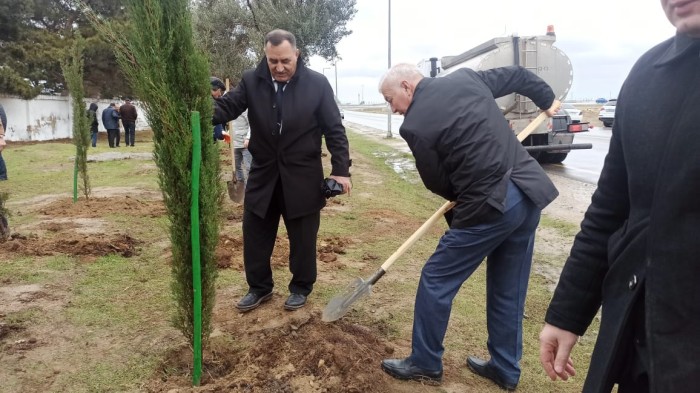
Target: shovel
531,127
236,189
359,288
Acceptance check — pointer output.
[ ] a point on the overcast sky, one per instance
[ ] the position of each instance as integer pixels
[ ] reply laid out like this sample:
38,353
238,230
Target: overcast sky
602,38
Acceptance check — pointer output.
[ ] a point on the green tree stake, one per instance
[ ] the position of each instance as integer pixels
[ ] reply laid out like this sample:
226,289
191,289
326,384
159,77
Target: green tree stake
75,180
194,229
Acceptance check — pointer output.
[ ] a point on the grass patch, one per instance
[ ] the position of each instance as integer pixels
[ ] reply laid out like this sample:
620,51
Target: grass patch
120,306
564,228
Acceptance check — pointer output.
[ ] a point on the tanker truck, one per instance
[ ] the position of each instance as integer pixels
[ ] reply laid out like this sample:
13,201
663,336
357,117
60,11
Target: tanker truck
552,141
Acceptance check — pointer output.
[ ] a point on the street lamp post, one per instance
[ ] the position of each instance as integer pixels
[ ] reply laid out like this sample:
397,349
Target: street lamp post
388,131
335,64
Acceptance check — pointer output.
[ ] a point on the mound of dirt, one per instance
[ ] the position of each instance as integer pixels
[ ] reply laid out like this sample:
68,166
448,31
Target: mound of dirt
277,351
101,206
95,245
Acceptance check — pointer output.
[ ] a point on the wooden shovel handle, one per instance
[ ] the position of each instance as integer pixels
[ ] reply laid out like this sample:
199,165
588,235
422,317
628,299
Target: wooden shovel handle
531,127
417,234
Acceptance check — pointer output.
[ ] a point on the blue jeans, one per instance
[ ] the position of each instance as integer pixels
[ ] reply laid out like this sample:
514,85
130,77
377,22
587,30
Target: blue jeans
3,168
243,158
94,138
507,243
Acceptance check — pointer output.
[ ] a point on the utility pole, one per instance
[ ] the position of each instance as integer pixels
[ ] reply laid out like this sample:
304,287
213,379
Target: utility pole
335,64
388,131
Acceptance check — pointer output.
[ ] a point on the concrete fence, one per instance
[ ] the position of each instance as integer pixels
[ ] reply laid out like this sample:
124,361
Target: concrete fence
51,117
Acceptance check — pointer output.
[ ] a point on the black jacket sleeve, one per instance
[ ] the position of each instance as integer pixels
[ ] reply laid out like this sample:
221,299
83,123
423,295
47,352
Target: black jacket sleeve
579,293
515,79
229,106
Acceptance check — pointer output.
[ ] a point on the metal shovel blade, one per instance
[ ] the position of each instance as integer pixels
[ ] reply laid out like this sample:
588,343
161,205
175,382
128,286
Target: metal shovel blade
236,190
340,304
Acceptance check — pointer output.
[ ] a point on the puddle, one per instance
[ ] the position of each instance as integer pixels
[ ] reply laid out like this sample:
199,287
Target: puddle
405,167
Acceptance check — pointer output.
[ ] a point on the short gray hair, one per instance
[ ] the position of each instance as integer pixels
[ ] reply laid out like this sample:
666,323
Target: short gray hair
398,73
278,36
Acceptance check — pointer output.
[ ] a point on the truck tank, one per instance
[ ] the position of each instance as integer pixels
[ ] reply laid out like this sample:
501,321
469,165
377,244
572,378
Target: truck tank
551,141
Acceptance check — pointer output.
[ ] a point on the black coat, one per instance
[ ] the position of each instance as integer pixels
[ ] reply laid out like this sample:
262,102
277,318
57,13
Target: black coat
92,115
464,148
642,229
294,156
3,118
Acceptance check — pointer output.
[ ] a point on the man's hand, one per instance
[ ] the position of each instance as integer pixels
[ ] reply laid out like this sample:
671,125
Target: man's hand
556,105
343,181
555,348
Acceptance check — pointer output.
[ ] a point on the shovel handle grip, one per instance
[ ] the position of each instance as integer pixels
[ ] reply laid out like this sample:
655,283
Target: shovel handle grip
531,127
416,235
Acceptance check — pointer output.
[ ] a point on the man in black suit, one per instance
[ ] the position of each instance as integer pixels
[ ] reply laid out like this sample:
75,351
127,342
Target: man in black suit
290,109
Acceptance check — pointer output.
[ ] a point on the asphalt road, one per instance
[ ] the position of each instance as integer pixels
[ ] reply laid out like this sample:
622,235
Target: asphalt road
582,165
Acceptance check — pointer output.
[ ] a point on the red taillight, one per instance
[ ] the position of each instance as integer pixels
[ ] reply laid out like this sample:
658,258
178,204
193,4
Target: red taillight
577,127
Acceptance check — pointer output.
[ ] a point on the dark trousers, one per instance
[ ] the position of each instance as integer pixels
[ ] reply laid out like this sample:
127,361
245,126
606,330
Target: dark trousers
113,137
507,243
3,168
129,133
259,234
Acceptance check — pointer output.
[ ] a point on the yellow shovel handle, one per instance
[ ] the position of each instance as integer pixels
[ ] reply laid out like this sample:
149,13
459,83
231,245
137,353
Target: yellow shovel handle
417,234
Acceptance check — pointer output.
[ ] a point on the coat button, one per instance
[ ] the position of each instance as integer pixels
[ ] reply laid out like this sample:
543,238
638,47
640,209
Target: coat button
633,282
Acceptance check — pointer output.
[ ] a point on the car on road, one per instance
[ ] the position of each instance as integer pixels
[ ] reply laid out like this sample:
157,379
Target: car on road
342,113
607,113
574,113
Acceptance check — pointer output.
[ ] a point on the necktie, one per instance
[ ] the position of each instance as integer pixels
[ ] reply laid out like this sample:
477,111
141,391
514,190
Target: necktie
278,98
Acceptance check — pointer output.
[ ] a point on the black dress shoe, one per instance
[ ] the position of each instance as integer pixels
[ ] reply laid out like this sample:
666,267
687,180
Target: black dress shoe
295,301
484,369
252,300
404,369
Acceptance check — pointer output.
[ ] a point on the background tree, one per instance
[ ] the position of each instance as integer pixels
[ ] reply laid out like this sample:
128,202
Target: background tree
225,30
35,34
318,25
72,66
232,31
171,76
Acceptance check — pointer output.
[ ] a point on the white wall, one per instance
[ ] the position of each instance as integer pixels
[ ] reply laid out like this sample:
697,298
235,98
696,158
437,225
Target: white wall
50,117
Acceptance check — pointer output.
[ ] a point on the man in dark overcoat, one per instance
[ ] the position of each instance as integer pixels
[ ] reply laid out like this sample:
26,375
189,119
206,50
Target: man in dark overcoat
290,109
637,256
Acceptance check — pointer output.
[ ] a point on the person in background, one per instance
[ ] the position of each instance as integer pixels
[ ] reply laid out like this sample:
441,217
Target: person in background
110,120
218,88
3,124
241,137
637,255
466,152
291,110
128,113
92,117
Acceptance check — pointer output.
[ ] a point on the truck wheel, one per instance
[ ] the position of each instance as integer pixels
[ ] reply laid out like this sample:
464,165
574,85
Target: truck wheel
535,155
552,158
